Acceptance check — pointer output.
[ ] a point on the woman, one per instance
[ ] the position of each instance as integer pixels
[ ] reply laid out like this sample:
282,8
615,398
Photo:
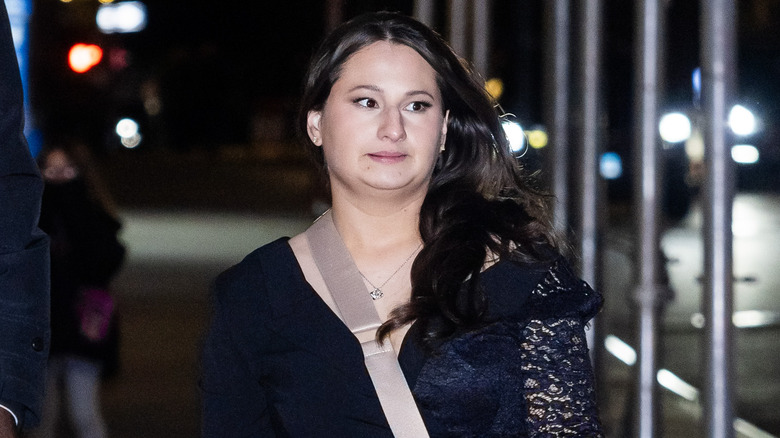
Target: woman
452,243
85,255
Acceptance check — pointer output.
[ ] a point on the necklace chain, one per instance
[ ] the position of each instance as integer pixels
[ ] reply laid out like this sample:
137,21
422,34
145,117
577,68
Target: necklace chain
376,293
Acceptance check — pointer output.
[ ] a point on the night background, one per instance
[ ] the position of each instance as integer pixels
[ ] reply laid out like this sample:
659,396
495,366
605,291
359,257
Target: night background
214,88
202,76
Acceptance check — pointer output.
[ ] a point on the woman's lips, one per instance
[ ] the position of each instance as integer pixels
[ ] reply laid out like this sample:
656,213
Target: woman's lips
387,157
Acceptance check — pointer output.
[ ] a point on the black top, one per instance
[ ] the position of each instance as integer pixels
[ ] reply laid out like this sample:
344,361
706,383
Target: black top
278,362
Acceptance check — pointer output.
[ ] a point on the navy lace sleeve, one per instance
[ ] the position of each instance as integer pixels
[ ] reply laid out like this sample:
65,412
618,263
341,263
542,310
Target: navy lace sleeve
558,380
527,374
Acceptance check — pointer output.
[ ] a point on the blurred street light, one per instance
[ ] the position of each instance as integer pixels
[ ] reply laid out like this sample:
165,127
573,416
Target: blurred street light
515,135
126,128
744,154
742,121
537,138
83,57
495,87
675,127
611,165
128,131
121,17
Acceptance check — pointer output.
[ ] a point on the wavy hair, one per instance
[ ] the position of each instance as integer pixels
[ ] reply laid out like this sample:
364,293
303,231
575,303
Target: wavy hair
480,203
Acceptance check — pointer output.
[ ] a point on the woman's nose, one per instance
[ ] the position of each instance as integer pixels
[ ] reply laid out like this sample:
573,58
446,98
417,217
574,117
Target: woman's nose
392,125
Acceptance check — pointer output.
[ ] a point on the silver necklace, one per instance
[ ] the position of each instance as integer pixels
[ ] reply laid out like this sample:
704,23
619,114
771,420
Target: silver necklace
376,293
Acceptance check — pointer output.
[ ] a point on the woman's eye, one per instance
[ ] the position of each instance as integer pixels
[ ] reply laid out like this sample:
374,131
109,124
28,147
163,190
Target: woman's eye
418,106
366,102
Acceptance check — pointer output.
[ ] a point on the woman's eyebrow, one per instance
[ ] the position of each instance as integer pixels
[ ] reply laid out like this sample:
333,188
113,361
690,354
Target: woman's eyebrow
379,90
366,87
420,92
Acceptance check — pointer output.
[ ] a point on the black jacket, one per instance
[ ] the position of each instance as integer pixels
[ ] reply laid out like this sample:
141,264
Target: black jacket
24,252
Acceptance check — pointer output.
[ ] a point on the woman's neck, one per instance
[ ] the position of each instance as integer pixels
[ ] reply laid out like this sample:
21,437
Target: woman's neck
382,239
377,227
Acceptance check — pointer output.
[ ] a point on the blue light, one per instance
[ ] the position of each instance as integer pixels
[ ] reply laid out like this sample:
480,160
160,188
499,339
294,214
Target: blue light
696,84
611,165
19,16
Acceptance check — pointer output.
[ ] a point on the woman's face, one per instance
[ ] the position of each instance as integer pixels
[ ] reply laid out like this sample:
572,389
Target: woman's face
383,124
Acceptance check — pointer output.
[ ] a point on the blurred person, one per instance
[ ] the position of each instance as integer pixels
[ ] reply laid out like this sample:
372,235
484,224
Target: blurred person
24,257
85,255
454,251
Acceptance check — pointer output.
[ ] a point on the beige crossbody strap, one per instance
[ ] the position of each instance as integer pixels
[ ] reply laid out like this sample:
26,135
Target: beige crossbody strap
359,314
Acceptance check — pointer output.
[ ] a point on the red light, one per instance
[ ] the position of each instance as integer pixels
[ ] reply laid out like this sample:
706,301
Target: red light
83,57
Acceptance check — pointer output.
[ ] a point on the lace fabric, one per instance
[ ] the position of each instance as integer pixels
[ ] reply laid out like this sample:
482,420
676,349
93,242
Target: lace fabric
528,374
559,388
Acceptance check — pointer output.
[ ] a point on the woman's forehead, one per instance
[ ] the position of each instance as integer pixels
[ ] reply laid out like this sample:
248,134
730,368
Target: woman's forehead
388,61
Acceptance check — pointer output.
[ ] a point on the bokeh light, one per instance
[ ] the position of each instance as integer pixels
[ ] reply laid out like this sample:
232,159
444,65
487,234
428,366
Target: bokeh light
495,87
131,142
128,131
127,127
83,57
121,17
742,121
537,138
744,153
515,135
674,127
611,165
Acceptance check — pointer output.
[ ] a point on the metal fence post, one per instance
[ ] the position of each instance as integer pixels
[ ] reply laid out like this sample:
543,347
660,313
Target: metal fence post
650,293
590,184
424,11
459,29
481,36
718,45
557,36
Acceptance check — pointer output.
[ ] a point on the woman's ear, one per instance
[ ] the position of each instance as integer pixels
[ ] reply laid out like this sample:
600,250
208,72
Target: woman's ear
313,127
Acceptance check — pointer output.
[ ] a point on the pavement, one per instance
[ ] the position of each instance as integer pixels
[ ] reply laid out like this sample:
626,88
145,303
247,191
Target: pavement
177,246
756,317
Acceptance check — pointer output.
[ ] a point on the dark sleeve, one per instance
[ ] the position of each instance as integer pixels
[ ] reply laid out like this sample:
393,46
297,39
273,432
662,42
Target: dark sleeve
234,403
558,383
24,268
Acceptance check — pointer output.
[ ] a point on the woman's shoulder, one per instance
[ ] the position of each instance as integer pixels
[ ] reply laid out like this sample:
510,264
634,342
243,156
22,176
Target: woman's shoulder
562,293
242,280
539,290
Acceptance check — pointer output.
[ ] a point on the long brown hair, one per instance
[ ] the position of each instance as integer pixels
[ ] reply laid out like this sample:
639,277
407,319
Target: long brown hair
479,199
